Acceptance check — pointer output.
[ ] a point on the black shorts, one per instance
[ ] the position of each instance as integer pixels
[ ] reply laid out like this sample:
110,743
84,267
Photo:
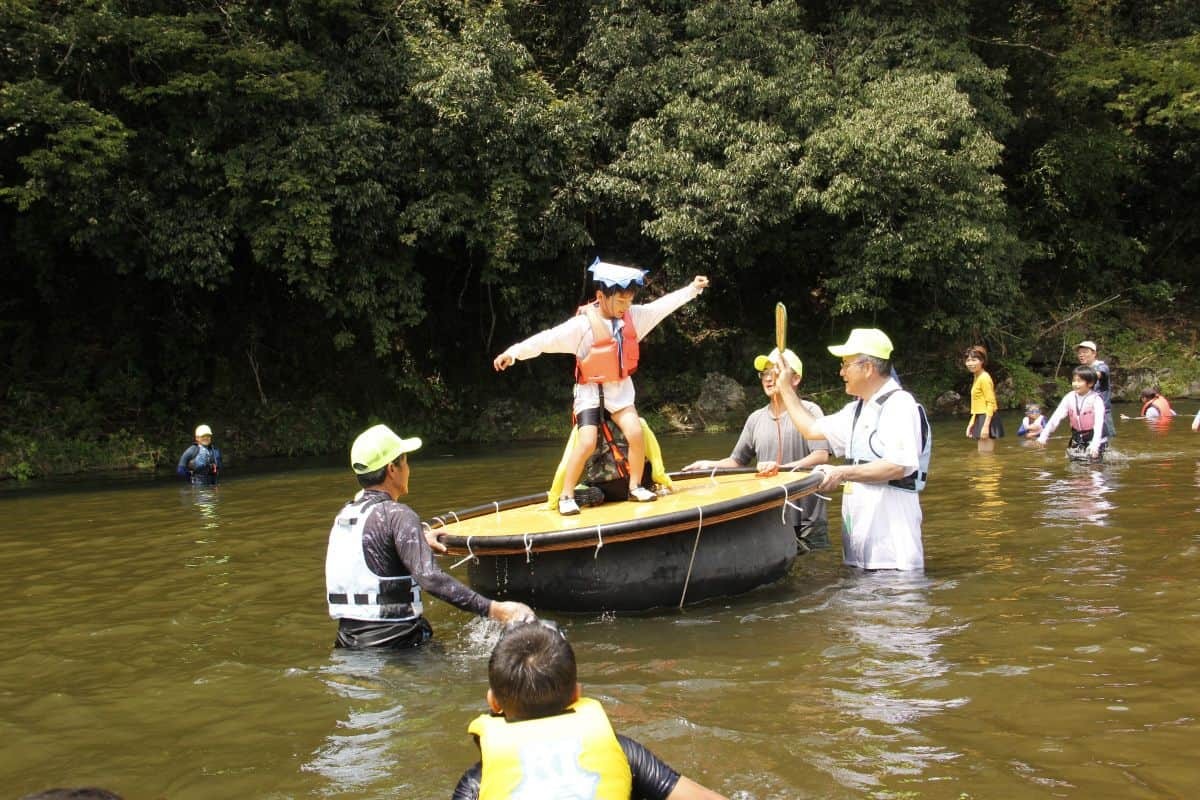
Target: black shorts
996,430
589,416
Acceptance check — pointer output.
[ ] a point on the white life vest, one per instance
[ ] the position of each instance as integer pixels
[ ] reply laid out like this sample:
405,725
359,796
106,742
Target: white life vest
352,589
862,450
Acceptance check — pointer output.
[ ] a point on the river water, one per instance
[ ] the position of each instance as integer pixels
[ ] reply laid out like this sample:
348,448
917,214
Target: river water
167,642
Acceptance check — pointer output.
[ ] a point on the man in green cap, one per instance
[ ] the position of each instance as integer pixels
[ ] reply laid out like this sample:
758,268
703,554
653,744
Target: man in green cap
884,438
380,559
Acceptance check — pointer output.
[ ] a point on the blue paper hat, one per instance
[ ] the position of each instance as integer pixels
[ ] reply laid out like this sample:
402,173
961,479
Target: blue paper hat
616,275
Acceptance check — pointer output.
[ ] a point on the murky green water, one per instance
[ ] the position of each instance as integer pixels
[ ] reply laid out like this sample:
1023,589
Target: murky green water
169,642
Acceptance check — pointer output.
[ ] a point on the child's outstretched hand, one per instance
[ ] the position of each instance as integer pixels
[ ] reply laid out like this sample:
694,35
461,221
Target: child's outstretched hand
502,362
699,283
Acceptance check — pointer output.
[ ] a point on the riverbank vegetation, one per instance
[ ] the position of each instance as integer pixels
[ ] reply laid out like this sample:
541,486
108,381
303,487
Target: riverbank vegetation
289,219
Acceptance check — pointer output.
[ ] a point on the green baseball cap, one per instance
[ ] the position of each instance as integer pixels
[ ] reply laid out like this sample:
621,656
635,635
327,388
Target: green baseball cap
378,446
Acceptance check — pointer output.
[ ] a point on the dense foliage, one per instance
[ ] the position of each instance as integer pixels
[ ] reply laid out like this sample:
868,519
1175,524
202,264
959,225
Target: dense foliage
289,216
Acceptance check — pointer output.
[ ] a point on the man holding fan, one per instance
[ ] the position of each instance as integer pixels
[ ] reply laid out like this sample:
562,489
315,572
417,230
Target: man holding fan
880,435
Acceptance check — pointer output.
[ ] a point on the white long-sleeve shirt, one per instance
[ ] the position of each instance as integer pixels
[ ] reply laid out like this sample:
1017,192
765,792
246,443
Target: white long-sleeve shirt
1080,403
575,337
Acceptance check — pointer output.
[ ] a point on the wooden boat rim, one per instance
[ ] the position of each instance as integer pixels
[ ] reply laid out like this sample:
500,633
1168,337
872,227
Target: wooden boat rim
592,535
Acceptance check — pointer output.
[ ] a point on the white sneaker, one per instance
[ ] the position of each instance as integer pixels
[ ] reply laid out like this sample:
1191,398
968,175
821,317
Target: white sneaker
640,494
567,506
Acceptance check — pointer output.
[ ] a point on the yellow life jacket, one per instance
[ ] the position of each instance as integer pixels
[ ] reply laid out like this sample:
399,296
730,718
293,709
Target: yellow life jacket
568,755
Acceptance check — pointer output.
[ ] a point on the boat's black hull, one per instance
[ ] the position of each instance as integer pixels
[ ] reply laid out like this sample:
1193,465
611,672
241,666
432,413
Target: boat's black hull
730,558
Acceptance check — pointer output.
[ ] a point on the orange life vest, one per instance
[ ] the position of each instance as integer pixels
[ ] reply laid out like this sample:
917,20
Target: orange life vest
610,359
1159,402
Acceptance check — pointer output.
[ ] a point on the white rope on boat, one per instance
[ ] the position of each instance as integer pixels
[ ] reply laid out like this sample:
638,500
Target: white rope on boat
695,546
712,476
528,547
455,515
496,503
470,556
786,505
599,542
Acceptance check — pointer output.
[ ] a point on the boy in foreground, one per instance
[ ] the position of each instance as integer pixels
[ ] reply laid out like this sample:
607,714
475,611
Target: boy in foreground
543,739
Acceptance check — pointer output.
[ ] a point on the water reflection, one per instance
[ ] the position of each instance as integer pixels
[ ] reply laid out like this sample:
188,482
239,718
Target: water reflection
395,698
986,482
175,644
1078,496
203,499
888,674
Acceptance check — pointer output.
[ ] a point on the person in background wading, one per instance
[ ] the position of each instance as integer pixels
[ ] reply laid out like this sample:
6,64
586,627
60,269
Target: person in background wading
201,463
1086,352
984,425
772,443
380,558
604,337
1032,422
1084,408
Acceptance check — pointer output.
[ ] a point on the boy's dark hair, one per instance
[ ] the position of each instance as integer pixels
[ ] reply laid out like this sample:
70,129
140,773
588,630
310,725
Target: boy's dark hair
608,290
1087,374
532,671
1149,393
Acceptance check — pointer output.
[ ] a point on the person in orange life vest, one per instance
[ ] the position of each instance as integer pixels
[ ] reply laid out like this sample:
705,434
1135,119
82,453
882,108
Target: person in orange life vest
1085,409
544,739
1155,406
603,336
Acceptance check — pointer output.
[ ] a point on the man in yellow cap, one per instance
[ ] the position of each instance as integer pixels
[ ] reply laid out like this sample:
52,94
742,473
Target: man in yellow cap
883,436
379,559
201,463
771,442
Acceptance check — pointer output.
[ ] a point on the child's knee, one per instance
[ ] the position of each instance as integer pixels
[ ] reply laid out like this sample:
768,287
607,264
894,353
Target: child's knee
586,438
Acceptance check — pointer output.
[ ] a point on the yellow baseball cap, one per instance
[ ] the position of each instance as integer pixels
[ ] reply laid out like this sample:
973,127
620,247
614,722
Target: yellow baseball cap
203,430
793,361
377,447
864,341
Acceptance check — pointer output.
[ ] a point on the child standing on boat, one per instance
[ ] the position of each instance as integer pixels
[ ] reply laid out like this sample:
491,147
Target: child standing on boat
984,425
1085,409
603,336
